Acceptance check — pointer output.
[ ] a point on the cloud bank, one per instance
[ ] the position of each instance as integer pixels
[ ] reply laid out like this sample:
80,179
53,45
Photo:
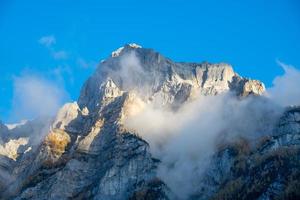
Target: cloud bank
185,140
286,88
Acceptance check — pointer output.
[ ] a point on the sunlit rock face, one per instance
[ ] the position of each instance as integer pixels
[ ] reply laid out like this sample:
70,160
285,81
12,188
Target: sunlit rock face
104,161
87,152
10,148
161,80
245,87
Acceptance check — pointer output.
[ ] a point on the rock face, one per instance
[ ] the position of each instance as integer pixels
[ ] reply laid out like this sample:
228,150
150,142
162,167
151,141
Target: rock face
18,138
269,170
18,142
102,161
162,80
86,152
4,132
10,149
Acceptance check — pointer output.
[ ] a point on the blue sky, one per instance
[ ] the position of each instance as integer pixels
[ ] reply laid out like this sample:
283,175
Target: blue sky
62,40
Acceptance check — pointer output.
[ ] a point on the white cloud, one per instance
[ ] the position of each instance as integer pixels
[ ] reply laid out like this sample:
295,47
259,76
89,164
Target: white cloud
286,88
47,41
84,64
36,96
187,138
131,73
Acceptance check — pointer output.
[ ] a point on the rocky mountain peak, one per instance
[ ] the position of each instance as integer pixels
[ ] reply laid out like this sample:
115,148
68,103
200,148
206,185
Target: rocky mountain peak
245,86
117,52
65,115
157,78
87,152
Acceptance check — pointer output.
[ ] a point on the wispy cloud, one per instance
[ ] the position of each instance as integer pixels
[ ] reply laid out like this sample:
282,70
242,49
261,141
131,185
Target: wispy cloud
63,74
86,64
47,41
82,63
60,55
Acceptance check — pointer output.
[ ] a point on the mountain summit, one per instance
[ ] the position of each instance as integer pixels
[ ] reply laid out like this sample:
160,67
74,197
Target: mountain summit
88,151
156,77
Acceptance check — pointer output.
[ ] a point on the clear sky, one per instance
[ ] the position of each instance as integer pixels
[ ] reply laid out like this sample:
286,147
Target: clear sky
62,40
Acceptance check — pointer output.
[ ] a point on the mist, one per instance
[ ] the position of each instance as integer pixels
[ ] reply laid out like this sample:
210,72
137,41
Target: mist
129,74
36,99
35,96
186,139
285,90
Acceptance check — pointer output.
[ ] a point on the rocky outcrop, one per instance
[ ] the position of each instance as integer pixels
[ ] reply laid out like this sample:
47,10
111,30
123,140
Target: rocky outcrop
4,132
18,139
10,148
269,170
6,165
112,174
245,87
99,160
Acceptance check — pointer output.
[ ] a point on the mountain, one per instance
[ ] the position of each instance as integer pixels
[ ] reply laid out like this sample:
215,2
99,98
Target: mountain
88,152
